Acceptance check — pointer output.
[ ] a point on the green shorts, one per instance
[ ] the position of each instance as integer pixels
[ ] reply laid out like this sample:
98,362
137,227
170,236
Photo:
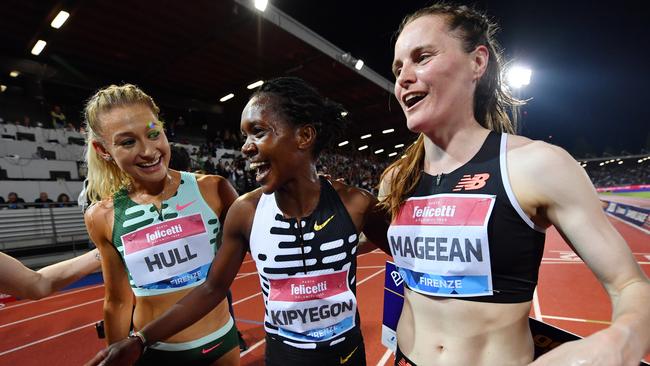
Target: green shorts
202,351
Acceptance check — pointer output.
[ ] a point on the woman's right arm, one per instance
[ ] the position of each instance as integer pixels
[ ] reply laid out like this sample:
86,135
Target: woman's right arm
118,298
198,302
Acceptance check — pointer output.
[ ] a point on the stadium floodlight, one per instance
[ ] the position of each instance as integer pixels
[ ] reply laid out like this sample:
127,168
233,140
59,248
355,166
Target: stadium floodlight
392,154
60,19
227,97
379,151
3,88
343,143
344,113
620,162
399,145
359,64
261,4
255,84
38,47
363,147
14,73
518,76
366,136
390,130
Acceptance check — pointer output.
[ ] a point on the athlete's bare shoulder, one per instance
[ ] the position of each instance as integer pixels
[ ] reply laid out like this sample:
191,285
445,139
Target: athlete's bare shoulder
99,218
351,194
534,156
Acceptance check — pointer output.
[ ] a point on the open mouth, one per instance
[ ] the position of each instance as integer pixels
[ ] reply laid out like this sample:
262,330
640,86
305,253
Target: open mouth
413,98
150,165
262,169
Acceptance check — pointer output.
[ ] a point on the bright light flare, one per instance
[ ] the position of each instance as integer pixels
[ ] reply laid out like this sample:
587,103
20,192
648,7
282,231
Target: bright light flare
227,97
60,19
38,47
255,84
261,4
518,76
344,143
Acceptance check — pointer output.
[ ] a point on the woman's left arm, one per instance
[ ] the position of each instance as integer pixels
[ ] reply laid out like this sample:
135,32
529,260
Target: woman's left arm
563,195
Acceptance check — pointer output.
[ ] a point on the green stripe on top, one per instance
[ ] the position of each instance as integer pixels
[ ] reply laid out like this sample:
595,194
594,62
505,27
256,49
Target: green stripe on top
187,200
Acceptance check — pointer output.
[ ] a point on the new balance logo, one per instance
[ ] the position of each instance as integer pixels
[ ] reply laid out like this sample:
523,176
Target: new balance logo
472,182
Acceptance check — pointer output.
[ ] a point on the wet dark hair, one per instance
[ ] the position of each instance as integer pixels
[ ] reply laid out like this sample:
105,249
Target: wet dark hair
301,104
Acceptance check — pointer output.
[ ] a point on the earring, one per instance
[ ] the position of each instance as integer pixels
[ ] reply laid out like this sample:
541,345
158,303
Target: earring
108,158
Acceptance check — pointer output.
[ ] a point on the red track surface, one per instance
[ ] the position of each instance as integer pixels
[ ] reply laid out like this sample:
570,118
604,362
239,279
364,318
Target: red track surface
59,330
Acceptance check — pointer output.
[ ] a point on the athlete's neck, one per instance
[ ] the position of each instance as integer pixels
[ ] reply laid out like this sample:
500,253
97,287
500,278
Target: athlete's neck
299,197
445,151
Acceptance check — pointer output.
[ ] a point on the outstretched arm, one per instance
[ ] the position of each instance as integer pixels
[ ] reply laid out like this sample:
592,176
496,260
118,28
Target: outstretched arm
567,199
20,281
197,303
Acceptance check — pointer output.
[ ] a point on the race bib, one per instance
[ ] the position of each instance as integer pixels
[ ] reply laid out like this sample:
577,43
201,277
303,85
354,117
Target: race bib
172,250
440,244
312,308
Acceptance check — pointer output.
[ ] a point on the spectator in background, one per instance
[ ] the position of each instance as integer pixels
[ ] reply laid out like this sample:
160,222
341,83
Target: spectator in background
70,127
27,122
63,200
14,202
43,201
58,118
180,159
39,154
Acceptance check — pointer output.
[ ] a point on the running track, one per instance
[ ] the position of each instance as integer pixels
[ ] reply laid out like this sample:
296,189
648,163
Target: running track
59,330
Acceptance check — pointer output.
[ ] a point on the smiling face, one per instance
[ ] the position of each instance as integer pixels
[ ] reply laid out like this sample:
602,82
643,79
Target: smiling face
135,141
435,77
272,144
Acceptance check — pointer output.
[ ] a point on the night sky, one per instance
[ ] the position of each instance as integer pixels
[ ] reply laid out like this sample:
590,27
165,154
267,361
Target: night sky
589,59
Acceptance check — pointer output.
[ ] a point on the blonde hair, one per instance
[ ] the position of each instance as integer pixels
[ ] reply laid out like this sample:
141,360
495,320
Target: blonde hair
105,178
491,101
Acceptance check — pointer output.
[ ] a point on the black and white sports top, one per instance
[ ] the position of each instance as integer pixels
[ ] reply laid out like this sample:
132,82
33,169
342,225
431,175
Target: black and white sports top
307,271
464,235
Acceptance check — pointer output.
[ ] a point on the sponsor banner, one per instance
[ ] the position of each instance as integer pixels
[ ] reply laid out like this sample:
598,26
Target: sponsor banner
312,308
320,334
162,233
193,277
308,288
629,188
451,286
632,214
441,254
446,210
168,261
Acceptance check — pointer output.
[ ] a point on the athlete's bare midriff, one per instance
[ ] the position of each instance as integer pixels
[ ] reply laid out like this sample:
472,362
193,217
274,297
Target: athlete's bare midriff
450,332
151,307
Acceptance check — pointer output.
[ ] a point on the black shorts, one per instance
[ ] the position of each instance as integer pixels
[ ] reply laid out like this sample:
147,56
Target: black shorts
401,360
349,352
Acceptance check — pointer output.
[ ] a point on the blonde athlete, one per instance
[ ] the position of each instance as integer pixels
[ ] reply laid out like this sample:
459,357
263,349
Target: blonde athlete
156,229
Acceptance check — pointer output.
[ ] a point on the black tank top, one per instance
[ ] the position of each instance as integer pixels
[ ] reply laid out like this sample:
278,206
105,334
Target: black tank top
464,235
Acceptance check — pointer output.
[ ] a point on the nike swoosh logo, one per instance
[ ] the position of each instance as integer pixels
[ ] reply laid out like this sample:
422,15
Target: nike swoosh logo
182,207
207,350
344,360
319,227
